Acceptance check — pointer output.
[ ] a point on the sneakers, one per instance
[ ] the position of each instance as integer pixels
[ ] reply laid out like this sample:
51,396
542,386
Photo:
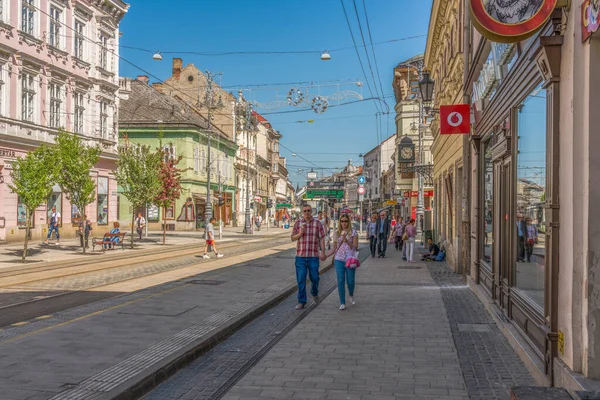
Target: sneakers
219,255
299,306
352,300
342,307
206,256
57,243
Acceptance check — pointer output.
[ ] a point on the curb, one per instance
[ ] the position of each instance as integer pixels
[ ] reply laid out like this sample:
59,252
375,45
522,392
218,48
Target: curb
159,371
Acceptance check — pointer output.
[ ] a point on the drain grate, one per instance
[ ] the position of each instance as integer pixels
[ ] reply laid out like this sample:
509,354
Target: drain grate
206,282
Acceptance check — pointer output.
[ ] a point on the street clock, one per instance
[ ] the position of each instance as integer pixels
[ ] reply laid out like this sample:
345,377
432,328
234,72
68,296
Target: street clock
406,150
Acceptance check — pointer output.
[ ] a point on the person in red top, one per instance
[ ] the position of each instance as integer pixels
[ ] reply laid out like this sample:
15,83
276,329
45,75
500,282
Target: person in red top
310,235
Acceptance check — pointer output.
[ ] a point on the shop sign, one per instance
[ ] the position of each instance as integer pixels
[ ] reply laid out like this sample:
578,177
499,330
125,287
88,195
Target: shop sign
510,21
414,193
590,10
495,68
455,119
324,194
7,153
283,205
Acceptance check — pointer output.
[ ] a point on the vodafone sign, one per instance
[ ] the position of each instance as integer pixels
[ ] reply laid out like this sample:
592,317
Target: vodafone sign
455,119
510,21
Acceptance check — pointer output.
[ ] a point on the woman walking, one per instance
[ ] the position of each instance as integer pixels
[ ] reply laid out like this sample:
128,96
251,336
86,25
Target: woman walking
345,242
410,233
398,232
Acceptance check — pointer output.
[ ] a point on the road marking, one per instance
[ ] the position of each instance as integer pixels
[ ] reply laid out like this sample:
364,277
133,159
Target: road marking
20,323
44,316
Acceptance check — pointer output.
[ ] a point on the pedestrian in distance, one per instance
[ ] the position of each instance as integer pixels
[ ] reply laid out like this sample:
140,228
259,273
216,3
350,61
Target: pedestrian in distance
345,243
53,225
532,238
372,234
85,227
210,239
410,235
140,223
383,232
398,232
310,235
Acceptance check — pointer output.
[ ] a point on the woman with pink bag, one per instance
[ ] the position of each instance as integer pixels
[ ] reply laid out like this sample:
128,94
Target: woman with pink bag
345,247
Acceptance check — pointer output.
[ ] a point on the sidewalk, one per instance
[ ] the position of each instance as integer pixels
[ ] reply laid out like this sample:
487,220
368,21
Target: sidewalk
416,332
70,249
113,346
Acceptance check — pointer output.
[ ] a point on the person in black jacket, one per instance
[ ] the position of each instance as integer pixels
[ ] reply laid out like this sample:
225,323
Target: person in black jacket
521,237
382,229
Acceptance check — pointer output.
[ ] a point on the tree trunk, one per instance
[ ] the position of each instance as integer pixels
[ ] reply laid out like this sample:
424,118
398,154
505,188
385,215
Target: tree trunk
132,227
27,233
82,220
164,224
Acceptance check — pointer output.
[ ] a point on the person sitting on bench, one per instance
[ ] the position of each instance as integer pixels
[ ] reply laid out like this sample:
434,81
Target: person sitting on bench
114,239
434,249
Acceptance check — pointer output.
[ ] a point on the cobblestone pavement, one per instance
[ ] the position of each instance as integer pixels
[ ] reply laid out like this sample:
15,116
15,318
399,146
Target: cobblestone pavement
83,281
489,364
416,332
48,356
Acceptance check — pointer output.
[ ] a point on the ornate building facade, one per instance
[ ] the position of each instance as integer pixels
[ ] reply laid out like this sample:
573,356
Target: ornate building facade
444,60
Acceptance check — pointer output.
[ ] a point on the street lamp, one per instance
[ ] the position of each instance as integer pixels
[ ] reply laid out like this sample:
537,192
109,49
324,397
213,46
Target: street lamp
157,56
426,85
325,56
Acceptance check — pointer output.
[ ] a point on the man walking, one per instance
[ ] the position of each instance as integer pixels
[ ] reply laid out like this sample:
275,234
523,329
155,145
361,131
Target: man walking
210,239
383,231
521,236
53,225
310,235
140,223
372,234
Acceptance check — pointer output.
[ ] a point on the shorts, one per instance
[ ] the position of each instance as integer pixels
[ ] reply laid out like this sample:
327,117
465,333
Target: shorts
210,242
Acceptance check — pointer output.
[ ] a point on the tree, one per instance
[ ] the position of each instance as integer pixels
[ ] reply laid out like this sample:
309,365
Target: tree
170,179
74,160
138,176
32,180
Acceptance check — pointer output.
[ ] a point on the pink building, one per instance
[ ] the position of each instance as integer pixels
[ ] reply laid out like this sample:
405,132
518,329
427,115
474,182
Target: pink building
58,69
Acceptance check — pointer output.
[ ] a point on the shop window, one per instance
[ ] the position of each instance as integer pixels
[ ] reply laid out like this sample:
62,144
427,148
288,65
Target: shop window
170,212
488,202
22,215
75,214
153,213
531,194
102,200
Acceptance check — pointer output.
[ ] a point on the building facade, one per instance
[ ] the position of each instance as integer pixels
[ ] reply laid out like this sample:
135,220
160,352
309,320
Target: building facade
58,70
409,125
149,117
534,176
444,60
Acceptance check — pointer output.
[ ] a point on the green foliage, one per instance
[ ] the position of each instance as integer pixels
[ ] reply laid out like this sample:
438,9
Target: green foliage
32,180
138,174
74,160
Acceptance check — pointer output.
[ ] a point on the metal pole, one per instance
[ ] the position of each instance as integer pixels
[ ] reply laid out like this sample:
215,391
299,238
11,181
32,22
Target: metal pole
208,209
361,216
248,221
420,200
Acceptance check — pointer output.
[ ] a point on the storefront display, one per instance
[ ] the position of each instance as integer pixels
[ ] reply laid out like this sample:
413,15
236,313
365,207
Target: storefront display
21,214
102,200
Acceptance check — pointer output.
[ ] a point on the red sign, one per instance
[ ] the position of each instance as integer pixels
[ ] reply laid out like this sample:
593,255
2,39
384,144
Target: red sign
510,21
455,119
414,193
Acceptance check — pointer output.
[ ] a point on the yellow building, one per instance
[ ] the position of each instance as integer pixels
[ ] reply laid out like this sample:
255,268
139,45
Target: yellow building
444,60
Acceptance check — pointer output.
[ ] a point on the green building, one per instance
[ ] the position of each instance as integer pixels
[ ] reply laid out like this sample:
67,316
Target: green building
145,116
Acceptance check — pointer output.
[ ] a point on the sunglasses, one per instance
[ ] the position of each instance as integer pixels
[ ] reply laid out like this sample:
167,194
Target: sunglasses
306,211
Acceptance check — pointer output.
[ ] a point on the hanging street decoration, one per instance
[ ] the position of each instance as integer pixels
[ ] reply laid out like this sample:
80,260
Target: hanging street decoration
510,21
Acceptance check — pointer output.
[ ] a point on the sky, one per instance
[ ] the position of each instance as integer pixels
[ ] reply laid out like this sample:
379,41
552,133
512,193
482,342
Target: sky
175,27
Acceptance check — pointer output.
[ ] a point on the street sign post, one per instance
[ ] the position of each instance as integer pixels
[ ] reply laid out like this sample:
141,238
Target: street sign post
361,190
361,180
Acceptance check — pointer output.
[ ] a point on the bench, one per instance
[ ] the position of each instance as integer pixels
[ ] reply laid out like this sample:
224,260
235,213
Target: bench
106,240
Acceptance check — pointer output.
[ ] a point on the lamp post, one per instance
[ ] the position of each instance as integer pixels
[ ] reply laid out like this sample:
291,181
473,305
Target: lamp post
245,108
210,105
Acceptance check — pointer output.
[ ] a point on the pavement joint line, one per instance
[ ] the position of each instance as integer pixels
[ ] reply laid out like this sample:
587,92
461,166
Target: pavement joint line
188,342
136,297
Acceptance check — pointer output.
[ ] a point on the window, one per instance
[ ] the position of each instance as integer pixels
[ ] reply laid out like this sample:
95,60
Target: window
54,38
22,214
169,152
531,196
78,40
28,16
196,160
27,96
55,120
3,11
78,112
103,51
75,215
488,202
102,200
103,119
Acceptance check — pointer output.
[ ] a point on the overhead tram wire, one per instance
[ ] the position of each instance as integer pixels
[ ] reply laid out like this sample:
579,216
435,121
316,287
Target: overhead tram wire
362,67
362,35
372,47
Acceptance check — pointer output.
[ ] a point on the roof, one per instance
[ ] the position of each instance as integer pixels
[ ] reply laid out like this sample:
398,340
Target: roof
146,105
405,63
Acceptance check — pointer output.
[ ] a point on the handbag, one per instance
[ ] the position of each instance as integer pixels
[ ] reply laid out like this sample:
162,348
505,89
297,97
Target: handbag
352,260
405,236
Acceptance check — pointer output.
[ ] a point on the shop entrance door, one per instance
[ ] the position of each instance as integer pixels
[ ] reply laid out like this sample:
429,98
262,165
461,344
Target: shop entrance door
503,172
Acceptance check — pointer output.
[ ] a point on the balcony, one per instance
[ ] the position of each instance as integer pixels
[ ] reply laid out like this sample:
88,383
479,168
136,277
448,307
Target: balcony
245,154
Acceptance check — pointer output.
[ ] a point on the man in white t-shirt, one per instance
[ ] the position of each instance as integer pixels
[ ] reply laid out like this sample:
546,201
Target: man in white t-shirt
53,225
140,223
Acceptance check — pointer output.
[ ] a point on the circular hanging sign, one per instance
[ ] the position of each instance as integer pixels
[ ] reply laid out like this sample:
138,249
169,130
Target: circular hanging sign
455,119
510,21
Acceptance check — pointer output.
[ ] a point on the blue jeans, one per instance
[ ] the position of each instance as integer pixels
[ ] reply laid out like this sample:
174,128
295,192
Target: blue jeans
53,228
344,275
306,265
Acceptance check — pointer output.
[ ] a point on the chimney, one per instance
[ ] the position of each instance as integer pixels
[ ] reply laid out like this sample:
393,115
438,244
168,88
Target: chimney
177,65
158,86
143,79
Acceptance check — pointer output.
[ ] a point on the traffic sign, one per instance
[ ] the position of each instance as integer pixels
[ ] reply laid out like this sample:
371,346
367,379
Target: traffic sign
361,180
361,190
324,194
